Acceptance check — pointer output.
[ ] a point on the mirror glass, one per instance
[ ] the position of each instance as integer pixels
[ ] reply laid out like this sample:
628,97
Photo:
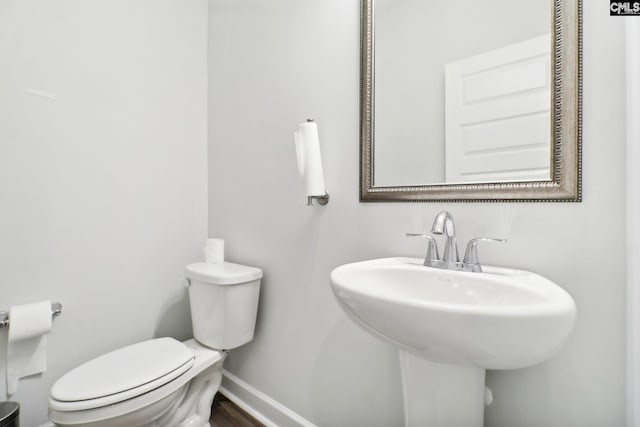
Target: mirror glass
463,92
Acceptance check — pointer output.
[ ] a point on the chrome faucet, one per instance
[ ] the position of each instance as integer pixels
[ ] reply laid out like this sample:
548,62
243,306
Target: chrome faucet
443,225
470,261
432,258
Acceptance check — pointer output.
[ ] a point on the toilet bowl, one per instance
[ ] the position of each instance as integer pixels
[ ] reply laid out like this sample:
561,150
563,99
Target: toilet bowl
76,400
164,382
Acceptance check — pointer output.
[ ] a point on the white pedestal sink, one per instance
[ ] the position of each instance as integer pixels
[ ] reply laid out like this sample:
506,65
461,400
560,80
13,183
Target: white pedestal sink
451,326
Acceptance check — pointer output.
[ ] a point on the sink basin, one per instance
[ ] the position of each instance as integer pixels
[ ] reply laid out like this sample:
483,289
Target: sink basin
451,326
499,319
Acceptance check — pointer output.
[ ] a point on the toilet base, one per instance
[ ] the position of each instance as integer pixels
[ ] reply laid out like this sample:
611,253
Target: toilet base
195,408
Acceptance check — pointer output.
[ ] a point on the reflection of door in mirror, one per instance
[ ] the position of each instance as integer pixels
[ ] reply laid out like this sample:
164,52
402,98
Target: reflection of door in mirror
497,114
499,130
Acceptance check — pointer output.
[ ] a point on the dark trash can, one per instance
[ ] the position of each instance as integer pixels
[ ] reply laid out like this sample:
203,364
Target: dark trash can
9,414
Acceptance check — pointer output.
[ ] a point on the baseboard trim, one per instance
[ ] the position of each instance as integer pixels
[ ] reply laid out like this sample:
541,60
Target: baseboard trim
260,406
263,408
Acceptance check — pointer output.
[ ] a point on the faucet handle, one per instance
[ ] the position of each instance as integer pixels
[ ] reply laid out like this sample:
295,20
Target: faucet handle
432,257
471,253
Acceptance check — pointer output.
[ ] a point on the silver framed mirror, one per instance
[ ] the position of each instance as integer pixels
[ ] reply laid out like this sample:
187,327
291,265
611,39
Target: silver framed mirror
560,181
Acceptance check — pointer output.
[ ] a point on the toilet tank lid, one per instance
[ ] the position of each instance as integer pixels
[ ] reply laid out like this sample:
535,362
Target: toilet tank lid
223,273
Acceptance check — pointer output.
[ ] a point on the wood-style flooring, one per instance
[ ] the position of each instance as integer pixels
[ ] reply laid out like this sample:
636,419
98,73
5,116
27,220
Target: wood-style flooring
225,413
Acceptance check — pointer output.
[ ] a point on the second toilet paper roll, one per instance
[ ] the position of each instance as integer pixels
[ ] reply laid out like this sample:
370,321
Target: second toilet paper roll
214,250
309,158
27,341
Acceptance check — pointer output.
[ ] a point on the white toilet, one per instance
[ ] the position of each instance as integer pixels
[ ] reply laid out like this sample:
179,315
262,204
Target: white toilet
164,382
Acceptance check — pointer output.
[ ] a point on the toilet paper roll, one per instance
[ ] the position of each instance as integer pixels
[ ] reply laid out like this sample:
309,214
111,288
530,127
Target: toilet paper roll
27,341
214,251
309,159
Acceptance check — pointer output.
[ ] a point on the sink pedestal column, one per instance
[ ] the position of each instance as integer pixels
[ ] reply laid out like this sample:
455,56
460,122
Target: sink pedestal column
440,395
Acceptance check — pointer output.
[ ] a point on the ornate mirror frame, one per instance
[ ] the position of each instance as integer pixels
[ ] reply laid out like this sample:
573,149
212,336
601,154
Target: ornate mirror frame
566,125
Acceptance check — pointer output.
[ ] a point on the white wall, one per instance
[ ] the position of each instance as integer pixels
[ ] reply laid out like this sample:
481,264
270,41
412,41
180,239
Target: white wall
272,66
632,50
102,188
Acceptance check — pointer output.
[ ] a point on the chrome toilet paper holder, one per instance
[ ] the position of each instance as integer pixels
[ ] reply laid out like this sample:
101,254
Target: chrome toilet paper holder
56,310
322,200
309,158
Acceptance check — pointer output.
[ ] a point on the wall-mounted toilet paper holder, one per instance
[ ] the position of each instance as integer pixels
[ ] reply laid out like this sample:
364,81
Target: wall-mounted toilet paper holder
307,146
56,310
322,200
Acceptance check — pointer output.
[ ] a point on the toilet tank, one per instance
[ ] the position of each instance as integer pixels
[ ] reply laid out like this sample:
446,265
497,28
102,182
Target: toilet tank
224,303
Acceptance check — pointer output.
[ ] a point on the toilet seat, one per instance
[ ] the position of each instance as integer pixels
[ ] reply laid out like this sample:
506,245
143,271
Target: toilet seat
122,374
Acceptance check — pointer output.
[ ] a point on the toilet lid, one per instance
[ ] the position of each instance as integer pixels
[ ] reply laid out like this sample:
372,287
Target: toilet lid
125,373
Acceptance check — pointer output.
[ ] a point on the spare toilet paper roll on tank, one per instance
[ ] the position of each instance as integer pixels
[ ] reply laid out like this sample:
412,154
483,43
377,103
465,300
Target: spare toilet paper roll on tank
214,250
29,325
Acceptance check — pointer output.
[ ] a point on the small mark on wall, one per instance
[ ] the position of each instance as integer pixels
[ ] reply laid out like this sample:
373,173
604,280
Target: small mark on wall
41,93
